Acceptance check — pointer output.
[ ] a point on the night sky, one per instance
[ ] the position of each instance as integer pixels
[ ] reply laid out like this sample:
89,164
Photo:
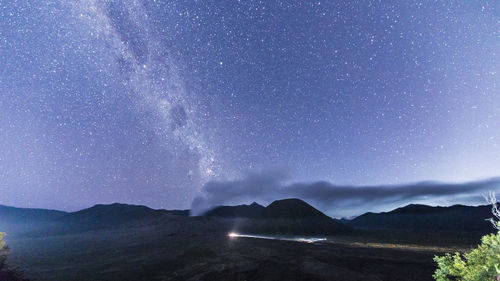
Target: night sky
147,101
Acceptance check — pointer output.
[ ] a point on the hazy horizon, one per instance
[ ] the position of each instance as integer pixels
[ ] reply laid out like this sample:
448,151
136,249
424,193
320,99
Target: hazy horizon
377,198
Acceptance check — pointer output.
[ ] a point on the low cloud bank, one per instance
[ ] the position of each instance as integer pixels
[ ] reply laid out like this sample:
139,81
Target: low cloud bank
338,200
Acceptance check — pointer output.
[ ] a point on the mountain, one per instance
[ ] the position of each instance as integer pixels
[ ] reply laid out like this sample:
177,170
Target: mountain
43,222
27,215
293,217
291,209
113,213
180,213
25,220
423,218
240,211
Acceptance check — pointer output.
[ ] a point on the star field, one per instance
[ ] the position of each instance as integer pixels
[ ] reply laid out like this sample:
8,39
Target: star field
146,101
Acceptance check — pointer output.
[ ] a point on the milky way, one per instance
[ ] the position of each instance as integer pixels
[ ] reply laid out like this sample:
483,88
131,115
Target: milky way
147,101
149,72
141,136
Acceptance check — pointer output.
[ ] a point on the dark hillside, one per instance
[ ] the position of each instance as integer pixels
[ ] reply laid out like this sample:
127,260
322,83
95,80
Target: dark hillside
427,218
240,211
294,217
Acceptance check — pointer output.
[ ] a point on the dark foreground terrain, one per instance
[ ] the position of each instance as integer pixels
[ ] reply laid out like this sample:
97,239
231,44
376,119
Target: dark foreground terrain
124,242
181,248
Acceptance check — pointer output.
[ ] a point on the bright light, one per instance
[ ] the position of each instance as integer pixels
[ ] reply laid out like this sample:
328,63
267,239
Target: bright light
296,239
310,240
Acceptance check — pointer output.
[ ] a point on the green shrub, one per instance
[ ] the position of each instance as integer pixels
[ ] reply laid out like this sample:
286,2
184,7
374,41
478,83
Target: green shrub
2,243
481,264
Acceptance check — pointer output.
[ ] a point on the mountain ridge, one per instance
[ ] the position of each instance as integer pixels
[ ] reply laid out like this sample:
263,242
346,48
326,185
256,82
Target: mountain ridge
238,211
293,217
423,217
99,216
288,214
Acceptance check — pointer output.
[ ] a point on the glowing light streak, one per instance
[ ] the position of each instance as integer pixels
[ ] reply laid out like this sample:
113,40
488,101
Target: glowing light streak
233,235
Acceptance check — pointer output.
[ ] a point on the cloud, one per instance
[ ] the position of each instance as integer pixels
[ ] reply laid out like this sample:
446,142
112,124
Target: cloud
338,200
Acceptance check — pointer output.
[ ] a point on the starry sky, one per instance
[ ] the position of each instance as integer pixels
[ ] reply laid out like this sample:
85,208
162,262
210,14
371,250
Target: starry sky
148,101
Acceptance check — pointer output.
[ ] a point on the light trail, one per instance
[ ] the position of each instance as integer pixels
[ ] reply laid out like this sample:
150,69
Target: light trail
232,235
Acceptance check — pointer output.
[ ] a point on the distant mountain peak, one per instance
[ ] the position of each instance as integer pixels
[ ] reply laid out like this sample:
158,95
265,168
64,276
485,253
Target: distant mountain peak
239,211
424,217
291,208
116,204
293,217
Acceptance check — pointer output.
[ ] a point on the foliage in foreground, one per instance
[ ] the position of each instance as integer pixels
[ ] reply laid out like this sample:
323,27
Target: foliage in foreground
481,264
7,274
2,243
